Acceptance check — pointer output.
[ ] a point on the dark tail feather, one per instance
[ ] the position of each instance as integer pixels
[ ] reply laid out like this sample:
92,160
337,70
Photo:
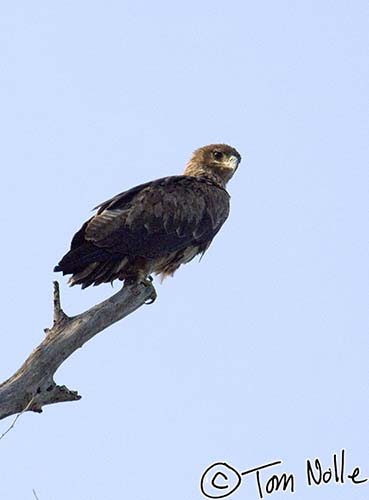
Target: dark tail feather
89,265
76,260
99,272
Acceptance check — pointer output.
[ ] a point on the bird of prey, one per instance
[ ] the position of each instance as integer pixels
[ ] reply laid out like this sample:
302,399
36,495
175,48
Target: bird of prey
154,227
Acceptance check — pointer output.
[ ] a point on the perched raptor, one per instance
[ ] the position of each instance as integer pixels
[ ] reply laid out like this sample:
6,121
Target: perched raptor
154,227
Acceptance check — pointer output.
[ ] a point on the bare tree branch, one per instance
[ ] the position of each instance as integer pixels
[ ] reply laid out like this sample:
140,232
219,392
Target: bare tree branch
33,386
35,494
15,420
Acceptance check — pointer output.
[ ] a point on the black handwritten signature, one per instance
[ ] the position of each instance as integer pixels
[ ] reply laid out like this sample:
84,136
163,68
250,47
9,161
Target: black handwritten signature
220,479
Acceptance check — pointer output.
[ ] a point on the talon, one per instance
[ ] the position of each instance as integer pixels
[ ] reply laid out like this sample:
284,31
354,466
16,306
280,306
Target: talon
146,282
152,298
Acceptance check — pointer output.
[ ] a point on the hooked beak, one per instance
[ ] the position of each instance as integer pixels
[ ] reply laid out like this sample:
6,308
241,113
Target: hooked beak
232,163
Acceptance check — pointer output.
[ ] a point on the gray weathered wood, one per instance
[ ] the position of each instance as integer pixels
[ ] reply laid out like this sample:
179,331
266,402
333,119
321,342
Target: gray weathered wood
32,386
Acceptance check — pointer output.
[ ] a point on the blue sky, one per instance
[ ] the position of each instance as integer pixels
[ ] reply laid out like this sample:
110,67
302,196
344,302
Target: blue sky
258,353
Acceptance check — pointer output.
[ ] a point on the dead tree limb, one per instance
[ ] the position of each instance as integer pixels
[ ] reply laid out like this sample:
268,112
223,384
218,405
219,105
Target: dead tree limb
33,386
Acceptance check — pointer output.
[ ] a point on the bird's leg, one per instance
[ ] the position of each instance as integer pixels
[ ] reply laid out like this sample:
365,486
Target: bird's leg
147,282
153,295
141,278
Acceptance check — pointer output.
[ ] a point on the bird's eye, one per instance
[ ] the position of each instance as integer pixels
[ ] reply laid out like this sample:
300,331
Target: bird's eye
218,155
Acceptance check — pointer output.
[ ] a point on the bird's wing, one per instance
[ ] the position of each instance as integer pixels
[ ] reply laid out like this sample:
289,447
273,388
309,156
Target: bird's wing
168,214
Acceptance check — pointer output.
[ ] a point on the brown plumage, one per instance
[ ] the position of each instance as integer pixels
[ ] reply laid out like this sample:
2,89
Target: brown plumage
154,227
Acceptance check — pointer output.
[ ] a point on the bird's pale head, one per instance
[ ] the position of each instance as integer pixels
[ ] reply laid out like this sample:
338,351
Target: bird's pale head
217,162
